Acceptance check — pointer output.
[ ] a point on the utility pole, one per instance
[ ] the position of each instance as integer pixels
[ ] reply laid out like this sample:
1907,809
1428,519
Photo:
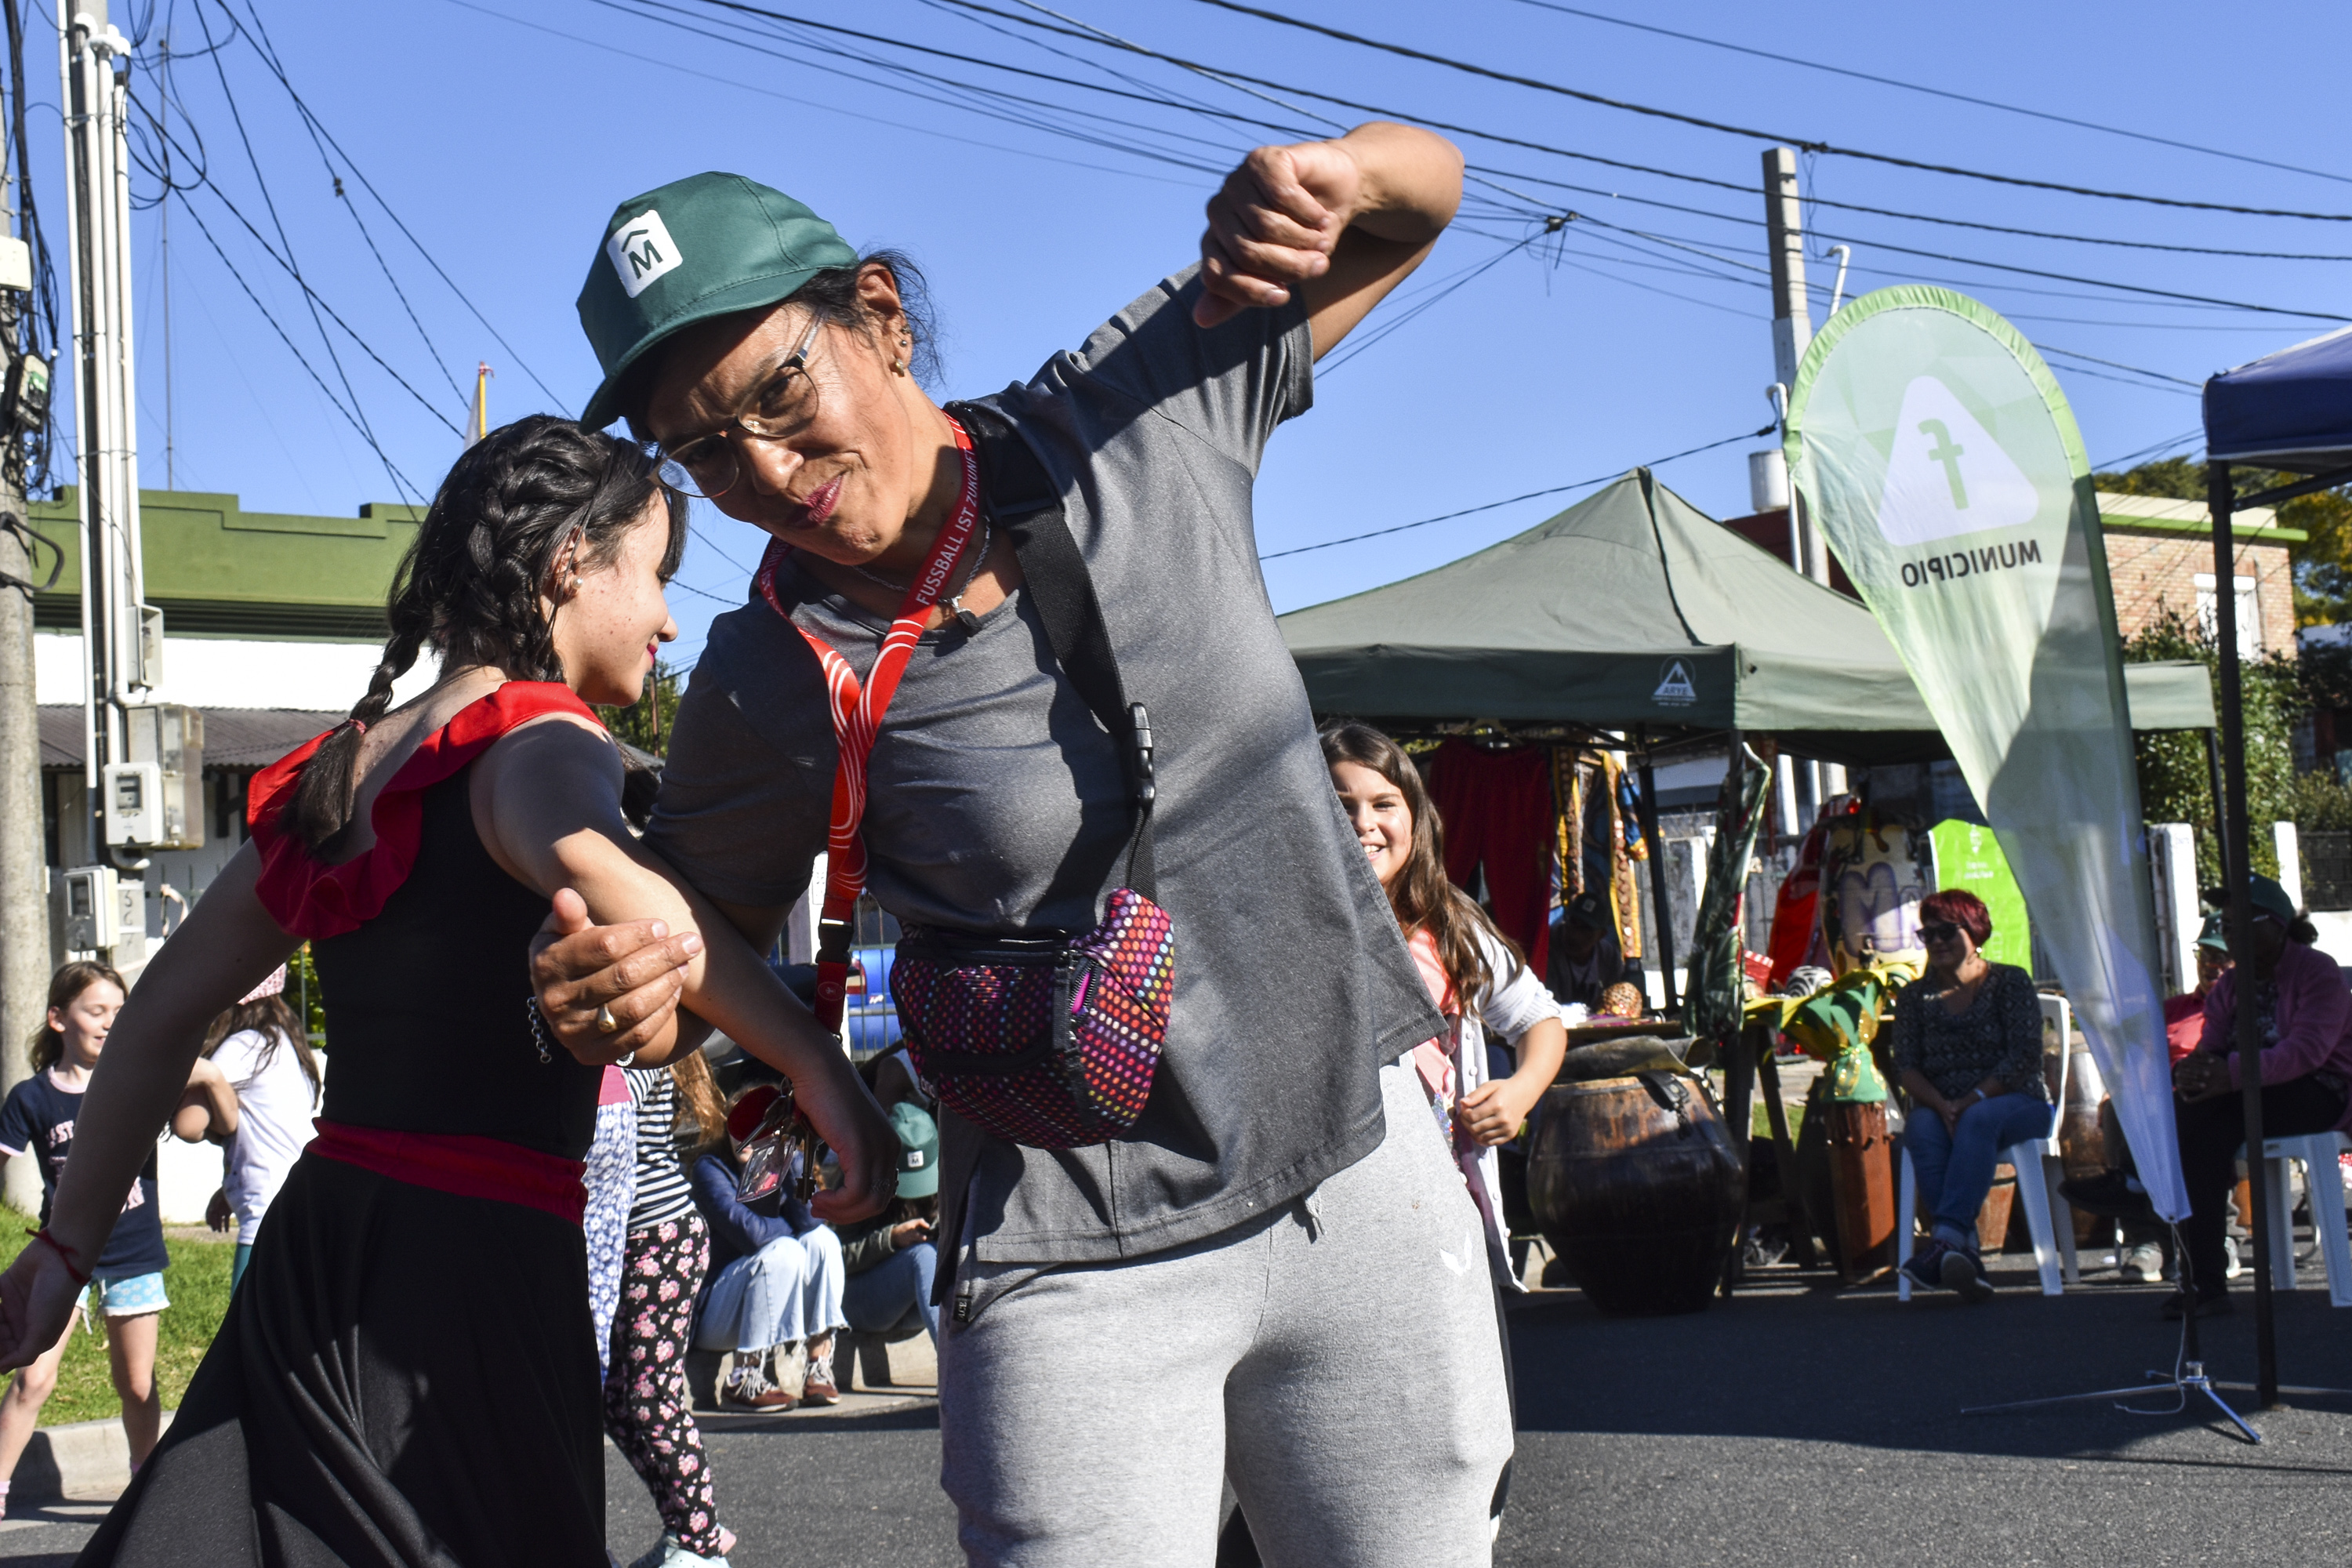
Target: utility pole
136,757
1792,332
25,958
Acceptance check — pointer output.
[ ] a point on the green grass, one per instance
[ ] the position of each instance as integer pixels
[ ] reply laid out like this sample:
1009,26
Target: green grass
1761,1122
197,1283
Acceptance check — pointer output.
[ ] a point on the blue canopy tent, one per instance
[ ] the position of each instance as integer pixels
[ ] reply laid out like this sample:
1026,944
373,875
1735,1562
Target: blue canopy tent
2291,413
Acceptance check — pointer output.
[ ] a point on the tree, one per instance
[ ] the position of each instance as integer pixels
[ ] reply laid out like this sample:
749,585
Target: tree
2175,771
647,724
2323,563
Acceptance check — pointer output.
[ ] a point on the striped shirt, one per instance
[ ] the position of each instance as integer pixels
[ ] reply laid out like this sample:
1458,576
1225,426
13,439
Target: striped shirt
663,1193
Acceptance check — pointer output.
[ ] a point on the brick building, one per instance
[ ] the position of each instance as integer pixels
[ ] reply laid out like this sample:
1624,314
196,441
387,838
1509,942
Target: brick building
2159,557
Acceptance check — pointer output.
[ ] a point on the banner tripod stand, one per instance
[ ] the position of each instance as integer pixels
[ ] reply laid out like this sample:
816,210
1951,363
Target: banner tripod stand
2187,1377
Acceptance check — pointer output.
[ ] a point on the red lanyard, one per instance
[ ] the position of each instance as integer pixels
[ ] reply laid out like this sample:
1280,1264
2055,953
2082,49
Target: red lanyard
858,722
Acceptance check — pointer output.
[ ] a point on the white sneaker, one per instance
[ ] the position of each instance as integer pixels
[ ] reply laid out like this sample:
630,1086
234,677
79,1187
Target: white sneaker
2144,1263
668,1554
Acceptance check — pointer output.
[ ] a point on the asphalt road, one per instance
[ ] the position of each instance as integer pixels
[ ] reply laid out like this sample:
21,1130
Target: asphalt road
1795,1423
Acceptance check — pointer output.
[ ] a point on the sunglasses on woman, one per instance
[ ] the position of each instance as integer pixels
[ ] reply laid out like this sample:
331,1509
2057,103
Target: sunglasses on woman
1942,931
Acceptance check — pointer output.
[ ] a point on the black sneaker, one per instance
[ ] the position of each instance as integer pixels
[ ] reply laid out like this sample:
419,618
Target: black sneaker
1925,1266
2109,1193
1964,1272
2210,1303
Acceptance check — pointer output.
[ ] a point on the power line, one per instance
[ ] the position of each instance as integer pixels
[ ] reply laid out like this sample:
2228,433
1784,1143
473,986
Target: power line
1810,144
1932,92
1236,78
640,58
742,6
367,184
399,479
1530,495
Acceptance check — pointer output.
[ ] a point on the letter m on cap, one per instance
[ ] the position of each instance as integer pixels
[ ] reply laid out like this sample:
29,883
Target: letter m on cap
641,251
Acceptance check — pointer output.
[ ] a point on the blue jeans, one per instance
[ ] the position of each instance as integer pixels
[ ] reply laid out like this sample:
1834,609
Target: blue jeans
1954,1169
876,1302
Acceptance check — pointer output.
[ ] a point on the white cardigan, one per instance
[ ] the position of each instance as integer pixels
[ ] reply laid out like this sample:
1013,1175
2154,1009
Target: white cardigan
1514,1001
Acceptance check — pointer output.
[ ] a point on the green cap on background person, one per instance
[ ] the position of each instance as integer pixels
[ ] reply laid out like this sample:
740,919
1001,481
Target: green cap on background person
919,1150
2212,935
2269,899
705,245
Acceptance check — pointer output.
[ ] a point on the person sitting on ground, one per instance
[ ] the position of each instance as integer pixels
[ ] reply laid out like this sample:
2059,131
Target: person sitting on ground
126,1283
2302,1016
2116,1193
264,1053
1968,1049
891,1258
772,1283
1622,1000
1586,957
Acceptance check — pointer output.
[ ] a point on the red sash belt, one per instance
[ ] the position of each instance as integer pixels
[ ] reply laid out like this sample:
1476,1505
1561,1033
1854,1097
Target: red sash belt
458,1162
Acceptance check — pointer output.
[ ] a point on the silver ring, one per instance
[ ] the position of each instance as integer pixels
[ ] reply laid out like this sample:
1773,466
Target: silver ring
605,1023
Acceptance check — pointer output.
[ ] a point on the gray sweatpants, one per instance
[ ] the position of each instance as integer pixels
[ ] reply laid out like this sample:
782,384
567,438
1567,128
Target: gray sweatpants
1337,1360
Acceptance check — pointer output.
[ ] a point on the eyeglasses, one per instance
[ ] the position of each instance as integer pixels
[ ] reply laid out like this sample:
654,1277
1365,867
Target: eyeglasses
1943,931
782,405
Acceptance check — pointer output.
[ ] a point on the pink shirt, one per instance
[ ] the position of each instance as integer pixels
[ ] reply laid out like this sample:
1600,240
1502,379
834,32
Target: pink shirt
1430,1059
2315,1020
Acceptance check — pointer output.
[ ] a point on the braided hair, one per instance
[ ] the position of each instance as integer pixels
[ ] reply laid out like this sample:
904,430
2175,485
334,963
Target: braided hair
469,586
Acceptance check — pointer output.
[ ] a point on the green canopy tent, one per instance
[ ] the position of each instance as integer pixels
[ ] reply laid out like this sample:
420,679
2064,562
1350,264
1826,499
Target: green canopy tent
1633,610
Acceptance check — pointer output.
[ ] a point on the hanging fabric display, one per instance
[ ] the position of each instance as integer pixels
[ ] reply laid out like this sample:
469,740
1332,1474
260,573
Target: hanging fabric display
1712,1007
1496,808
1873,874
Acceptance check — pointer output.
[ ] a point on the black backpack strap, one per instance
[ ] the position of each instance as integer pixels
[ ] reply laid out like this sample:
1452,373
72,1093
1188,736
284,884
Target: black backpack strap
1023,500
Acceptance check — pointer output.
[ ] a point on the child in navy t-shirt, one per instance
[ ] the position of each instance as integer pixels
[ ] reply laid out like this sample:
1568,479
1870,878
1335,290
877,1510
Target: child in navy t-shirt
126,1284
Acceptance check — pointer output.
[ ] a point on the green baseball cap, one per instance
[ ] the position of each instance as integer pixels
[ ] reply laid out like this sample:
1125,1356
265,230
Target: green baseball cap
2268,897
919,1150
2212,935
705,245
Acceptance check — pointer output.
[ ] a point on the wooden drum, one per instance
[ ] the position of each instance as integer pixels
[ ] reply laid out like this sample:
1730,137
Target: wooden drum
1638,1187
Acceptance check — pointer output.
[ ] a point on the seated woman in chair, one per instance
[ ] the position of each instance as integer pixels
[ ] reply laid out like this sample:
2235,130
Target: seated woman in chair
2303,1017
1968,1049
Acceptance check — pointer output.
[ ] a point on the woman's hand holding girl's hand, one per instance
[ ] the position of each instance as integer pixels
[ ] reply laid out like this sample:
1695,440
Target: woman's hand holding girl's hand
37,1301
1496,1109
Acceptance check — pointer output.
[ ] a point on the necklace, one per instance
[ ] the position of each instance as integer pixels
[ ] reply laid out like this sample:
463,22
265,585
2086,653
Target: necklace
953,605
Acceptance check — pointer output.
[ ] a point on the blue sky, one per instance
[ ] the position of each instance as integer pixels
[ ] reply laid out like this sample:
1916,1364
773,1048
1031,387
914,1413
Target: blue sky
502,132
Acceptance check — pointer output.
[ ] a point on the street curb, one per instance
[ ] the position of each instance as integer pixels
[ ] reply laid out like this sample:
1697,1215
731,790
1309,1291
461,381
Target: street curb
80,1461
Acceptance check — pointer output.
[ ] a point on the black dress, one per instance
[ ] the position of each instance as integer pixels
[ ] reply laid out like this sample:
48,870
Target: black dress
405,1376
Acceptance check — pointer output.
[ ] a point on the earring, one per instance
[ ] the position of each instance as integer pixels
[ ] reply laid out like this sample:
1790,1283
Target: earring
572,583
898,365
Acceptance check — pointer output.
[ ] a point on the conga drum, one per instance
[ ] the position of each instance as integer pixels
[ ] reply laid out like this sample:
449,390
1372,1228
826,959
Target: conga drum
1637,1186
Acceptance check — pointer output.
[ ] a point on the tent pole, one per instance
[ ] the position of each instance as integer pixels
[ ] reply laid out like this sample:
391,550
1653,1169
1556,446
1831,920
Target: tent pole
2221,837
1658,902
2236,863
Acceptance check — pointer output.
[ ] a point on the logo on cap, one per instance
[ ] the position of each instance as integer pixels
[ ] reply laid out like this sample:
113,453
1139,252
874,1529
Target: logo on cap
641,251
914,1159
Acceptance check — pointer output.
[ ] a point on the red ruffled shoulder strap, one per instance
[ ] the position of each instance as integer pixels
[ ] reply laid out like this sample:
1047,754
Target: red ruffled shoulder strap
313,899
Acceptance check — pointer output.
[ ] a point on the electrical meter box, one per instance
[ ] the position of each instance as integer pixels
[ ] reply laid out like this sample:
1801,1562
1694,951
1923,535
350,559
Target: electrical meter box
93,907
155,795
25,397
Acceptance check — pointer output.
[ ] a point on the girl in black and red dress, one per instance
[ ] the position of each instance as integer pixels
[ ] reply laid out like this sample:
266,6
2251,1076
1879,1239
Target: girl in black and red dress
408,1374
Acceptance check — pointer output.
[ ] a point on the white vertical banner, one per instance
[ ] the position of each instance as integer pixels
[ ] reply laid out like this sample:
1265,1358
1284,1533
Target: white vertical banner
1931,445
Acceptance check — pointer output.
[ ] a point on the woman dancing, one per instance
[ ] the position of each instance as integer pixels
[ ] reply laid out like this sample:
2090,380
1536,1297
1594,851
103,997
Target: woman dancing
346,1413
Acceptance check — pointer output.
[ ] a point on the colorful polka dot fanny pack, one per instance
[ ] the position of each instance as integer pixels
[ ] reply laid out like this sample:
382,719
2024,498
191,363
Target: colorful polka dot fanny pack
1042,1041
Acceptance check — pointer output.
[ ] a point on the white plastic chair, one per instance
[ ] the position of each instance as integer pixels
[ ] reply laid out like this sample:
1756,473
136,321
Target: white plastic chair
2323,1181
2049,1218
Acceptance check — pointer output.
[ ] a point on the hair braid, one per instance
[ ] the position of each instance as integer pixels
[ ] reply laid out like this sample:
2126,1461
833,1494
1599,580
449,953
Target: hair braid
469,586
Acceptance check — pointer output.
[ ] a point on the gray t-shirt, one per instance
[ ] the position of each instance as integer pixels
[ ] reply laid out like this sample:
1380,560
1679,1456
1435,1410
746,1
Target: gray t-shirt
1292,984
